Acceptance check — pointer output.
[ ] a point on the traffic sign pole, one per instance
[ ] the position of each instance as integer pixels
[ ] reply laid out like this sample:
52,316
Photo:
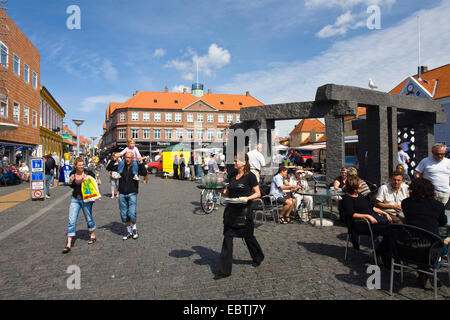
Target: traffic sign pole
37,179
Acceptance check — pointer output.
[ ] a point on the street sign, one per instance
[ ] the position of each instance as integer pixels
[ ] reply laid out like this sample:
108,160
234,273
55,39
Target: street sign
37,165
65,136
37,179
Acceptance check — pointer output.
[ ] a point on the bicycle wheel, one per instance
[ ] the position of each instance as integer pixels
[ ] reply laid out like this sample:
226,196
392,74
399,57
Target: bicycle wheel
207,200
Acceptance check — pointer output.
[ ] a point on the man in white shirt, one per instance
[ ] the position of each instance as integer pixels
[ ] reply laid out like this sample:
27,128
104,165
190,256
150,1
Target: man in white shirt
277,189
391,195
437,170
257,161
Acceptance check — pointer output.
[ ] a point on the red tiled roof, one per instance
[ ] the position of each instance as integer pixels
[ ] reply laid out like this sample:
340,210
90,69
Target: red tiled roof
69,131
361,112
307,125
438,78
176,100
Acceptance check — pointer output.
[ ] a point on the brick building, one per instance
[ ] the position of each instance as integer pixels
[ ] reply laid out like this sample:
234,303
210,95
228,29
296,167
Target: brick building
19,91
157,120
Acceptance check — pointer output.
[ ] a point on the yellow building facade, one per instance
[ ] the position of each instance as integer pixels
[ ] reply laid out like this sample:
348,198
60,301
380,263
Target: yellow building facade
51,124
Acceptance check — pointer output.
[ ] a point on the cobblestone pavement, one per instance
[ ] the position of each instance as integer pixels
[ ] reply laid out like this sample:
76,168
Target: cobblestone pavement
177,255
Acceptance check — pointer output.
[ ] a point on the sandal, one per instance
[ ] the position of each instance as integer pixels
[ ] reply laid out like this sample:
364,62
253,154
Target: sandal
288,220
282,220
66,250
92,240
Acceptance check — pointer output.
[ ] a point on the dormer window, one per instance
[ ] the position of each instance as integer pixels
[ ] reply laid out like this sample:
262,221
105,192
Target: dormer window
176,101
240,103
155,101
221,102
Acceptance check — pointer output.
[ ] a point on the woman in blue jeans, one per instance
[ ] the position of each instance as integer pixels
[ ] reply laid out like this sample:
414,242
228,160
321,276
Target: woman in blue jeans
77,204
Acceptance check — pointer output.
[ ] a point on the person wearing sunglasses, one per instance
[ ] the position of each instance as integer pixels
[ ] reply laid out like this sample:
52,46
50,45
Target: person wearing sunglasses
437,170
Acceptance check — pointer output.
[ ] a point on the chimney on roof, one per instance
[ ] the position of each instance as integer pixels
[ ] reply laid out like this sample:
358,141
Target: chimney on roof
135,93
166,89
423,69
247,93
209,91
184,90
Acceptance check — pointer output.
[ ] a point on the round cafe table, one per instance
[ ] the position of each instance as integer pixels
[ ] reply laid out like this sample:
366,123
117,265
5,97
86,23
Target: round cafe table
322,195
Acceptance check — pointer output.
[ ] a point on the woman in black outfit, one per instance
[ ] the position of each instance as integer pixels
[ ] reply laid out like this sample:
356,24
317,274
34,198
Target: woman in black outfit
421,209
356,206
238,218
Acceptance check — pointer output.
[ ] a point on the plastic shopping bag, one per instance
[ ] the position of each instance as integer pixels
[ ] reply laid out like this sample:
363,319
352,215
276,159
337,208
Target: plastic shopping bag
90,190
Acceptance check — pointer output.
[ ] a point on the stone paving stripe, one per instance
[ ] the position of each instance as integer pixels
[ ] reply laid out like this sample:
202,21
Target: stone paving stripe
31,218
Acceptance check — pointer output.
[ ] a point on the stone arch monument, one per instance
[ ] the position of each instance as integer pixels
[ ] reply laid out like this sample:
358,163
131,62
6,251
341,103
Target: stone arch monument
378,134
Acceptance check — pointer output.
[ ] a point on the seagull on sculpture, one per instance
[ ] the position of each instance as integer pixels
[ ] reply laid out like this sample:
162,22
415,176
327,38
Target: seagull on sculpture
372,85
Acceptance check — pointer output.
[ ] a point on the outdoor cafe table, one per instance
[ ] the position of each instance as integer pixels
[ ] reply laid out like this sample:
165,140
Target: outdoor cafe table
322,195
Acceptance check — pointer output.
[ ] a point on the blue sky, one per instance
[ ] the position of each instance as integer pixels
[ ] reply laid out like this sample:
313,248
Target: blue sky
280,51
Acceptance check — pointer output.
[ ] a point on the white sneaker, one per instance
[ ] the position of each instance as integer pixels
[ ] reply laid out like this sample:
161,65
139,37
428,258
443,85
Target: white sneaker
47,197
135,234
136,177
128,236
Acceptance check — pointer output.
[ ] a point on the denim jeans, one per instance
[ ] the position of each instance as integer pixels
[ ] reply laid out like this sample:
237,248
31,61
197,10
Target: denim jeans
134,169
48,181
127,206
75,206
198,169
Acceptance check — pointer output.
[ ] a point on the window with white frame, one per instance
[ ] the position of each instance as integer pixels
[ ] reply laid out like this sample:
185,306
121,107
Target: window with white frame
135,116
134,133
190,117
157,133
16,65
122,117
16,112
210,117
168,116
122,134
200,134
238,118
146,134
157,117
221,118
146,116
168,134
190,133
35,115
26,73
4,51
26,115
199,117
229,118
35,80
178,117
179,133
210,134
220,134
4,109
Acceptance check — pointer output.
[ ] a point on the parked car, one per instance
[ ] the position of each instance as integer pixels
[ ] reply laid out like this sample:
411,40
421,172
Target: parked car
155,167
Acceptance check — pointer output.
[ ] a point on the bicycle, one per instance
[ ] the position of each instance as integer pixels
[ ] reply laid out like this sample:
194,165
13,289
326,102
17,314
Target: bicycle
210,200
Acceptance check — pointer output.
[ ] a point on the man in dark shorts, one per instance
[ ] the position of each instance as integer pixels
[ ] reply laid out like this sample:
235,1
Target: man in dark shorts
277,189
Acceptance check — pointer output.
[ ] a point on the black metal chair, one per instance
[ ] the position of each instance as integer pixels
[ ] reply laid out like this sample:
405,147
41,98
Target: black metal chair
415,249
351,232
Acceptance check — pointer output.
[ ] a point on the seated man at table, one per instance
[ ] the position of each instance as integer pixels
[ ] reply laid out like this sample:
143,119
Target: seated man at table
302,184
277,190
391,195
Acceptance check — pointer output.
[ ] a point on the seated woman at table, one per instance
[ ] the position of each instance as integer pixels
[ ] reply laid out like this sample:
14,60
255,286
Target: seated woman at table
302,186
421,209
356,206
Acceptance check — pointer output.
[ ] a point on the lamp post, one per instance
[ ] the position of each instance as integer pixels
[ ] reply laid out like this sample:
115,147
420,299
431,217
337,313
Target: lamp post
78,123
93,145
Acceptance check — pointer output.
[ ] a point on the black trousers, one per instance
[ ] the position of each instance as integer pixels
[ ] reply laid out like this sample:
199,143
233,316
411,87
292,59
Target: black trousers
175,171
226,256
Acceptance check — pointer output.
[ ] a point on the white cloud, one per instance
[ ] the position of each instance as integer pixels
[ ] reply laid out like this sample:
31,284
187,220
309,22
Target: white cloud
311,4
107,69
343,23
178,88
215,59
90,104
158,53
388,56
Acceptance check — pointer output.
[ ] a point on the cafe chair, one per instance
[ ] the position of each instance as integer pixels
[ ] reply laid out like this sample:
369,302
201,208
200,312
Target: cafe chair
352,233
415,249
